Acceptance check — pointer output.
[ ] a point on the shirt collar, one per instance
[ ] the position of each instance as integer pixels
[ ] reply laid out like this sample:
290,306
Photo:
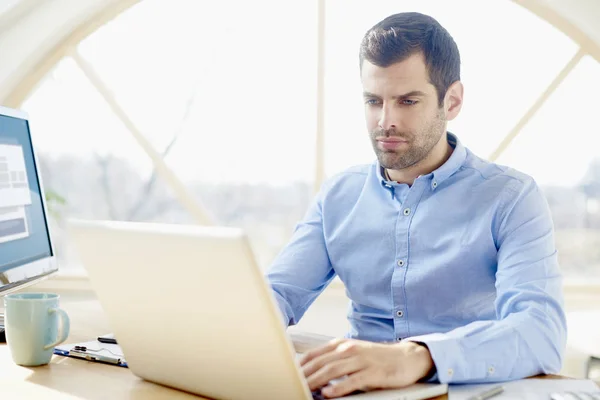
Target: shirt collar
454,162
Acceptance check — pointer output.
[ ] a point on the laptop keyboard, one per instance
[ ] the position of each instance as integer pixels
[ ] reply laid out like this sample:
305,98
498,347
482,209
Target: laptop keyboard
317,395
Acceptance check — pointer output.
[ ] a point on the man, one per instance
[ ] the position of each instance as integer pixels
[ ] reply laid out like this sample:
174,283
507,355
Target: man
449,261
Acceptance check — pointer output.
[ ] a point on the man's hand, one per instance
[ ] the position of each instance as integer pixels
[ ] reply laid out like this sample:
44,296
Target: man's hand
368,365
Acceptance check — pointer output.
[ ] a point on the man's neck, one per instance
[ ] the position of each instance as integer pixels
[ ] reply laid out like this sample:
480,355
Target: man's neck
436,158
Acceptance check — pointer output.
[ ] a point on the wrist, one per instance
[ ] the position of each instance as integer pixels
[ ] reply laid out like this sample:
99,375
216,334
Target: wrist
424,361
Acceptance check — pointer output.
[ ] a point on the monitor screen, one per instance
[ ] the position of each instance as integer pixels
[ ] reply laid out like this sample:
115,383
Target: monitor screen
25,247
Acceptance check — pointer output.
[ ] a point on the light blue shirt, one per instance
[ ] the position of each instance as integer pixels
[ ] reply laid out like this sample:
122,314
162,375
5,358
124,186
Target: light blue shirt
463,260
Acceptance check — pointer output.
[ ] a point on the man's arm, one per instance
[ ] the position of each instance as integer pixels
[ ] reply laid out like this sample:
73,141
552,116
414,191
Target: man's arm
529,335
302,270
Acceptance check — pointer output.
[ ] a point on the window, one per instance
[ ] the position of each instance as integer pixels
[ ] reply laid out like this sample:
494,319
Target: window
227,100
559,148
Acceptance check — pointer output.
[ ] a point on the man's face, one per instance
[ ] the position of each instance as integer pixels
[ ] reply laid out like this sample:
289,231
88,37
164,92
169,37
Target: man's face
402,113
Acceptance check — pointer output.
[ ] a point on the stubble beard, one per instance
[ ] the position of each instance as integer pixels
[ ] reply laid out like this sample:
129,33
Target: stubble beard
420,144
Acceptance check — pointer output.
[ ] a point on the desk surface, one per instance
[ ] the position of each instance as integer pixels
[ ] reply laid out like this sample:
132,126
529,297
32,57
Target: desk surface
68,378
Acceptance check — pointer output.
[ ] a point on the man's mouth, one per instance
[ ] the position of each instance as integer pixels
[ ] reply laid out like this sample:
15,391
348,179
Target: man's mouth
390,143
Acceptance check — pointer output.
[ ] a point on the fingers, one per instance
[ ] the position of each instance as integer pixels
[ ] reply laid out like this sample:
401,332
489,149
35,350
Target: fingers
334,370
312,354
343,350
357,381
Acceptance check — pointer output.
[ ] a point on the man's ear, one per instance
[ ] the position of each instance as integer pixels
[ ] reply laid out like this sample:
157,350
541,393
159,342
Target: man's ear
453,100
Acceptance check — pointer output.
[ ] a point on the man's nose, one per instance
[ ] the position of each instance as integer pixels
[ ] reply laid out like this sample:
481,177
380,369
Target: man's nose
386,120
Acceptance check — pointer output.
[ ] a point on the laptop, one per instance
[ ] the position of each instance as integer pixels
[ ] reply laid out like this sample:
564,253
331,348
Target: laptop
191,310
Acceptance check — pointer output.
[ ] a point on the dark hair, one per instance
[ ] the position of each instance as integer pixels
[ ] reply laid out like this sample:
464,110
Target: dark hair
401,35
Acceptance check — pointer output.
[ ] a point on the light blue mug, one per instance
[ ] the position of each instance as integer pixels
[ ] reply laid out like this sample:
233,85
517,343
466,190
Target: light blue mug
34,326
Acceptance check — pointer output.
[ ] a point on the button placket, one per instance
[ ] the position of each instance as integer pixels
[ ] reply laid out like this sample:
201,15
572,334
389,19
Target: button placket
408,201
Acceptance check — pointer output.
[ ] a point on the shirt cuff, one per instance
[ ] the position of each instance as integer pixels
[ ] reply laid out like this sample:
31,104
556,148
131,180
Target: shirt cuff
446,355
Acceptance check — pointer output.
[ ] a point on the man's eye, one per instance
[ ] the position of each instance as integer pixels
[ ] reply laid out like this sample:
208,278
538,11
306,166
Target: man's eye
372,102
408,102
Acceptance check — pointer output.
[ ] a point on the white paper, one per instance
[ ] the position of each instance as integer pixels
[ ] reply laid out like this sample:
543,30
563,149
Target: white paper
14,186
525,389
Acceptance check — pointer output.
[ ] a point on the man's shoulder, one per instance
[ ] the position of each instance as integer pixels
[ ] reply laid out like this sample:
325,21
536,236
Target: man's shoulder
498,175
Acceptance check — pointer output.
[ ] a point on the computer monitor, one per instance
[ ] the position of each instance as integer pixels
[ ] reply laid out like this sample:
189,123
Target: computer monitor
26,253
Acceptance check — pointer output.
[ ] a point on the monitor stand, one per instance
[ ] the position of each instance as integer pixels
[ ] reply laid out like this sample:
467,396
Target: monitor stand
2,332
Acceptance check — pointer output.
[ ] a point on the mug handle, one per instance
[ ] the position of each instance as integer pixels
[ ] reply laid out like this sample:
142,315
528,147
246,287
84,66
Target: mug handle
63,327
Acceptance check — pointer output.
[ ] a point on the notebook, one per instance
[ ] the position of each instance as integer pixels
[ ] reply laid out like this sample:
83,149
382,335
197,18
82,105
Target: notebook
95,351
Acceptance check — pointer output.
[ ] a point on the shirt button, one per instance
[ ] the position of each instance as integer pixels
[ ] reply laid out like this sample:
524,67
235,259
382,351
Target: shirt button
434,184
400,313
400,263
491,370
399,339
407,211
450,372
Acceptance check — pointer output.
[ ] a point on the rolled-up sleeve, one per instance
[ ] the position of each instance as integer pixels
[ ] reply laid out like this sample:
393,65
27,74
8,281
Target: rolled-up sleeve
302,270
528,336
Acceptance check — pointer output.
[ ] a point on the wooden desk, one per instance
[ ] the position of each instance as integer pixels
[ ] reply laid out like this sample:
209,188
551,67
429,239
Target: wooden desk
68,378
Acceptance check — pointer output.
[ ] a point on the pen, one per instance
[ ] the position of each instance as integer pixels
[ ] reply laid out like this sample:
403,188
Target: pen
95,357
488,393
